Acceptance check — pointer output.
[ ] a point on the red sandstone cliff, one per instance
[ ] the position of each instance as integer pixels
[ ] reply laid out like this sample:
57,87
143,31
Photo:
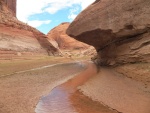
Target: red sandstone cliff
119,30
19,37
66,43
11,4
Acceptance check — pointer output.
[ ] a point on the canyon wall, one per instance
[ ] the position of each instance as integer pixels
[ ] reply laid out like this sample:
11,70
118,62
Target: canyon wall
11,4
118,29
16,36
120,32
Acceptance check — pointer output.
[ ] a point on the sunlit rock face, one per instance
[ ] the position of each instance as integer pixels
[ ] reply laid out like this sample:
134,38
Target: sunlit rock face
17,36
66,43
118,29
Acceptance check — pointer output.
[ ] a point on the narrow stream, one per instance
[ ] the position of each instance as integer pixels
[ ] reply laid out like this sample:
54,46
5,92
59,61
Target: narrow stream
65,98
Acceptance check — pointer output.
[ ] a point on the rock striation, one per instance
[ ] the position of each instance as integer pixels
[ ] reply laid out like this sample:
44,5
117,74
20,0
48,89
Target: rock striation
66,43
17,36
118,29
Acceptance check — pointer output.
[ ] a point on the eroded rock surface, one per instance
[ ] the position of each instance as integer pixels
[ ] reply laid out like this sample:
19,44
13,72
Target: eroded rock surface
17,36
118,29
67,44
11,4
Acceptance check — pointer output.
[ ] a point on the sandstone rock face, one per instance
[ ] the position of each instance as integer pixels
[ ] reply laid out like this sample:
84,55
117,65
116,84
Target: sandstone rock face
11,4
120,32
118,29
64,42
19,37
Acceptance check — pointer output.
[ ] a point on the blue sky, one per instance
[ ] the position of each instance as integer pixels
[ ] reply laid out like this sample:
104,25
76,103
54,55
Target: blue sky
46,14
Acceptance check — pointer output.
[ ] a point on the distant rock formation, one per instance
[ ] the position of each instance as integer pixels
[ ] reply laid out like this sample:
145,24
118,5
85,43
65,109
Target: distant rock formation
19,37
119,30
64,42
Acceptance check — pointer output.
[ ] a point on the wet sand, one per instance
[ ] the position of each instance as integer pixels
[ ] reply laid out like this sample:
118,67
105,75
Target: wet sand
21,92
65,98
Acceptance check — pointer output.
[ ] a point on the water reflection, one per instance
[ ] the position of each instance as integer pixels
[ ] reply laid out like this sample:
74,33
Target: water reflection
56,102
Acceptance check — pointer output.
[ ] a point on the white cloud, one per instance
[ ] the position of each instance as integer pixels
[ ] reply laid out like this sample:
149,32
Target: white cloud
72,17
26,8
37,23
84,4
73,12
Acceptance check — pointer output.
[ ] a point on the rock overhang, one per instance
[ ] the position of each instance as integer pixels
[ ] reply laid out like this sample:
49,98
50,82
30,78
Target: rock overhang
109,24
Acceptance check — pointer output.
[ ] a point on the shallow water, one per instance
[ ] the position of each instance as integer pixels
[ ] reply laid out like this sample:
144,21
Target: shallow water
65,98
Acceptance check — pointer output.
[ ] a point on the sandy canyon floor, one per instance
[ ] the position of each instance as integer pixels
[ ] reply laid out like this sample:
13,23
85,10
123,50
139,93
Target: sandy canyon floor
24,82
21,87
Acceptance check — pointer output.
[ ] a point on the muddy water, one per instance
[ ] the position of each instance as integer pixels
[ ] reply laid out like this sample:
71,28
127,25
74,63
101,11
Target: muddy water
65,98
